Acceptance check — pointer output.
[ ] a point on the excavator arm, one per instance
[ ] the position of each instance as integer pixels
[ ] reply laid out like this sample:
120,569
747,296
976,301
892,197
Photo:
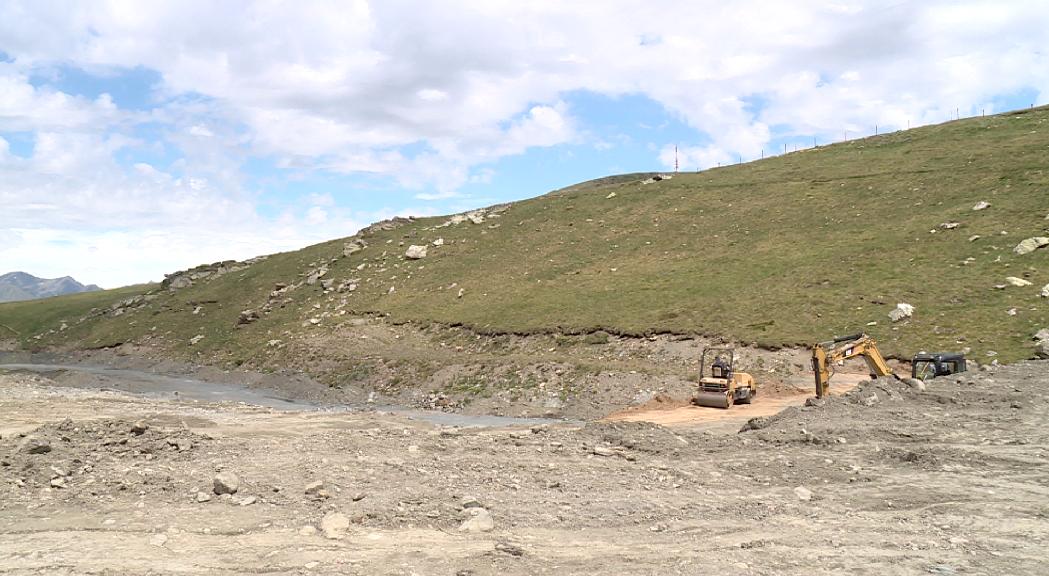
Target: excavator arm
826,354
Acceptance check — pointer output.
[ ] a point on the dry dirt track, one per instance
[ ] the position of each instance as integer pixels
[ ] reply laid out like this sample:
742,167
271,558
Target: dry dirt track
883,480
681,413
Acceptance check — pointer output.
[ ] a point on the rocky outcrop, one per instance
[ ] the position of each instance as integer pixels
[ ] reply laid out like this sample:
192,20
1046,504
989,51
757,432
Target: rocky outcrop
353,246
206,272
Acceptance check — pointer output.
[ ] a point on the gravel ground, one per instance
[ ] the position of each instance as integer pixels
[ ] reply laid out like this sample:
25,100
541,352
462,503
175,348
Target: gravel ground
883,480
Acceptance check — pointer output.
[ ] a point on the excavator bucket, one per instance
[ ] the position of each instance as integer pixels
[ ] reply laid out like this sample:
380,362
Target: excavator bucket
713,399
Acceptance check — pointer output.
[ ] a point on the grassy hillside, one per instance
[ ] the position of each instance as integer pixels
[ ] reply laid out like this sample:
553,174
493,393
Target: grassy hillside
785,251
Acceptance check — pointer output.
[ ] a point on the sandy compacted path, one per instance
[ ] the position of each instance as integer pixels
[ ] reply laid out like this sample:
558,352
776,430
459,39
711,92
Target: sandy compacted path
885,479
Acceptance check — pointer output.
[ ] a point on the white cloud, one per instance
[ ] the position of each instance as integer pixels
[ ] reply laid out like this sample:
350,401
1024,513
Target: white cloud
25,107
430,95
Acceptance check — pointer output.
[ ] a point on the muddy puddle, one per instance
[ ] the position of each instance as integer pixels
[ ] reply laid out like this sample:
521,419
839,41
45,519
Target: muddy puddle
155,385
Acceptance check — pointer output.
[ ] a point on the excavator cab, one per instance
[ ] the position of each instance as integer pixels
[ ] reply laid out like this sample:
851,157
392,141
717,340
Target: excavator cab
725,385
926,365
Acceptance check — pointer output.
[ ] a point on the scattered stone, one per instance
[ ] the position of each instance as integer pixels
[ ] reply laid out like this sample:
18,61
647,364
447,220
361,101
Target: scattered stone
58,482
158,540
470,502
511,549
1031,244
307,531
353,246
247,317
225,483
604,451
915,383
476,217
814,402
950,225
480,520
869,400
317,490
974,238
461,292
193,341
139,427
248,501
1045,291
610,196
334,525
438,242
415,252
316,275
34,445
756,423
803,493
1019,282
902,310
981,205
203,497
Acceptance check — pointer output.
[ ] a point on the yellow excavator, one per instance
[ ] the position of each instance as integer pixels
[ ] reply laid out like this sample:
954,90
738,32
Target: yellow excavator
826,354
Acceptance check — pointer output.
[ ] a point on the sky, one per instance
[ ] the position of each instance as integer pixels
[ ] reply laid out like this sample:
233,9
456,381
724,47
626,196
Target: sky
140,138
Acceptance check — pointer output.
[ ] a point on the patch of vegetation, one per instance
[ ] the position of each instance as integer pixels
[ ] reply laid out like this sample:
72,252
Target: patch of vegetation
355,374
473,385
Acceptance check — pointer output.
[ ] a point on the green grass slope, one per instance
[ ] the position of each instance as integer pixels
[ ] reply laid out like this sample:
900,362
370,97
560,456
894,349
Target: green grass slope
785,251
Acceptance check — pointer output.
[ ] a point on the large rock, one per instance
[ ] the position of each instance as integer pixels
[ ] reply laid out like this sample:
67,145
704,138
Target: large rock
316,275
1041,342
479,520
1020,282
415,252
334,525
34,445
226,483
1031,244
902,310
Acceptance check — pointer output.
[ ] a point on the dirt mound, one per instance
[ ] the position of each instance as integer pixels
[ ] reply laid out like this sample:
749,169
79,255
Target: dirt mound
637,436
896,411
87,454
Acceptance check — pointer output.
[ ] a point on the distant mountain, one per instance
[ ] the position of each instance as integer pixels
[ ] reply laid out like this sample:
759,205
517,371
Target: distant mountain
21,286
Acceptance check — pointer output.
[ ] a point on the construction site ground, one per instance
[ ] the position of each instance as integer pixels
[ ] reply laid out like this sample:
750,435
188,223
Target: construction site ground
884,479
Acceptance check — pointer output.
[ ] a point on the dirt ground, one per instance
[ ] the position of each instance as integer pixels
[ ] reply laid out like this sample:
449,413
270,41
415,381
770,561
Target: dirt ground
884,479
